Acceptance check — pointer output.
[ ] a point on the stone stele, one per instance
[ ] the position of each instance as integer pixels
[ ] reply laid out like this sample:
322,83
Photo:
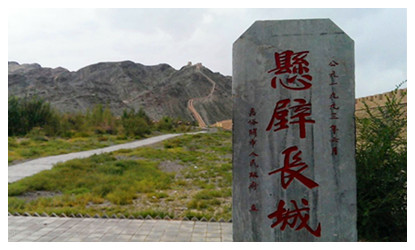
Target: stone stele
294,133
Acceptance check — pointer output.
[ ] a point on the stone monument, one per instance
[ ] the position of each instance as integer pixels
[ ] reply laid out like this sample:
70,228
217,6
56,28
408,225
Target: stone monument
294,133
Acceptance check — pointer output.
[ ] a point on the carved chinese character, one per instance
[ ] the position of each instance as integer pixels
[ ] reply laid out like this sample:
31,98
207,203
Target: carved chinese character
252,132
280,120
334,150
334,140
252,122
333,64
253,175
334,129
252,112
253,185
333,75
294,68
253,154
252,142
253,208
287,217
288,174
333,106
333,96
253,163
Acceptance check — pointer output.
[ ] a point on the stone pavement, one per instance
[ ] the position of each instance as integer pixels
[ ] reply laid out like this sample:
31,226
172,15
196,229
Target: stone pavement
19,171
57,229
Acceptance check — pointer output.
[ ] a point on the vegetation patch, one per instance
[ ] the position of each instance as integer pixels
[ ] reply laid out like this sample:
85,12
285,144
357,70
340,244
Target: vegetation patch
381,161
37,130
26,148
175,178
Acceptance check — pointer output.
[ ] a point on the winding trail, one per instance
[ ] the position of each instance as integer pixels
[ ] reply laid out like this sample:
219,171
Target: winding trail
19,171
190,106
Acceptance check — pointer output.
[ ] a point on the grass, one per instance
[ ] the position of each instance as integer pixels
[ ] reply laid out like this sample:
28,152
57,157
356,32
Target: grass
195,181
27,148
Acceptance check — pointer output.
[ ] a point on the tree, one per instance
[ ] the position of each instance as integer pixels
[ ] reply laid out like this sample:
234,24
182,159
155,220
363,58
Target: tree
102,120
14,116
136,124
165,124
381,159
27,113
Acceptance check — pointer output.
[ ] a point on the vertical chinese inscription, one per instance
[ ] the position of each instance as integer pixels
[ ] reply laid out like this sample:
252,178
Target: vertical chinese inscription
292,69
334,109
253,166
293,133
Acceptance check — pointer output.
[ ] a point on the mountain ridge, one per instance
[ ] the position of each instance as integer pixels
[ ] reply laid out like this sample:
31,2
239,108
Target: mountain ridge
160,89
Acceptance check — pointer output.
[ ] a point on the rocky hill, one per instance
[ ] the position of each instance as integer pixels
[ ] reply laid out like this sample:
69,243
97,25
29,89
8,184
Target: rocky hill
160,90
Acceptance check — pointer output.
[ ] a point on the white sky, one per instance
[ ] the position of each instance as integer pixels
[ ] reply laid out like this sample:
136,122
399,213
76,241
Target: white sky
75,38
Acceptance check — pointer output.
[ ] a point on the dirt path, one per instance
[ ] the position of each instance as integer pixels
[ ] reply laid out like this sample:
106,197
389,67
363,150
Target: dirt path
28,168
190,106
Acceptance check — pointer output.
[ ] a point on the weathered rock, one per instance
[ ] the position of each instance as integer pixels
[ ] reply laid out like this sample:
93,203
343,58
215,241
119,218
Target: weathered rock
160,90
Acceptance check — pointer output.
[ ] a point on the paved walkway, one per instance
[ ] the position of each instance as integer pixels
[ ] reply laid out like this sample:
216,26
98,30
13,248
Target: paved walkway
59,229
19,171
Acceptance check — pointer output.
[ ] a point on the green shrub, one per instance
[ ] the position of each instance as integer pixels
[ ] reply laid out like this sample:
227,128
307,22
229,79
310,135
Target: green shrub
381,159
27,113
165,124
35,116
136,124
121,197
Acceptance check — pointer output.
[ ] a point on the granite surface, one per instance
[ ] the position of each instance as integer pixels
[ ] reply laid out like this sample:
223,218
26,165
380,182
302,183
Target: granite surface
293,106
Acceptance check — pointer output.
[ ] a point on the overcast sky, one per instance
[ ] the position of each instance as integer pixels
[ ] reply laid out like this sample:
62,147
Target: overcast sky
75,38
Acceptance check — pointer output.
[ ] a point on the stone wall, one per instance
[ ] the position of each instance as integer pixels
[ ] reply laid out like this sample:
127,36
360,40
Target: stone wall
376,101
